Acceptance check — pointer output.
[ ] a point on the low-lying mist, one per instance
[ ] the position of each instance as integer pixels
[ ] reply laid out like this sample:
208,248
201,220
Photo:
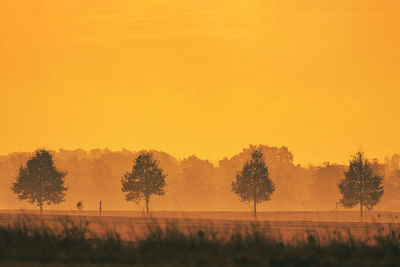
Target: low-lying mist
195,184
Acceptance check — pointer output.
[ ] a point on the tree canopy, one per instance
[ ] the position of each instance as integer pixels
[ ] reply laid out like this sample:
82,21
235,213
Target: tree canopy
253,182
361,184
147,178
39,181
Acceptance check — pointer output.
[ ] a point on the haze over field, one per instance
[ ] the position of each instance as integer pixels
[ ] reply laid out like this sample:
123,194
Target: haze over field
195,184
200,132
201,77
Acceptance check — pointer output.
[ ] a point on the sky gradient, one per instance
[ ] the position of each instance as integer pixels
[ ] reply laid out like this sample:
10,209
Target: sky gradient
201,77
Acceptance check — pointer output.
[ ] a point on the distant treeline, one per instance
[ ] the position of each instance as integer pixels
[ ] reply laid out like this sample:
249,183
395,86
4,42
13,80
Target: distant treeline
193,183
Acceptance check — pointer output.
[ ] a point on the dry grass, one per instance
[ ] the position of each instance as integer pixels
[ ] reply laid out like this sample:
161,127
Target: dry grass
168,242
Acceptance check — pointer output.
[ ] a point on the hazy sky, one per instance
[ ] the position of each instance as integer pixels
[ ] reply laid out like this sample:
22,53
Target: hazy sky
201,77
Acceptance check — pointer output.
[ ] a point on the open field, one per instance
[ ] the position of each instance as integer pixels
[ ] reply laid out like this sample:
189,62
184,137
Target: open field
320,216
287,226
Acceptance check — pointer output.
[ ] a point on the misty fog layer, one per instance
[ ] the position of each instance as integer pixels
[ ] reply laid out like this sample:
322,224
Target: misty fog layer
194,184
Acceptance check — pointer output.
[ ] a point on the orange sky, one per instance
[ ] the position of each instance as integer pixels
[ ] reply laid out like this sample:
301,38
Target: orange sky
201,77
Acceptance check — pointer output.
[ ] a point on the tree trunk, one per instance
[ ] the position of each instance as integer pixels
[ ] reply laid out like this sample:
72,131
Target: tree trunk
255,201
147,205
40,199
255,209
361,195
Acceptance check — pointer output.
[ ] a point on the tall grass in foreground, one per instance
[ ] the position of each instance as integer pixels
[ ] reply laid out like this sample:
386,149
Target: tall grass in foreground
72,241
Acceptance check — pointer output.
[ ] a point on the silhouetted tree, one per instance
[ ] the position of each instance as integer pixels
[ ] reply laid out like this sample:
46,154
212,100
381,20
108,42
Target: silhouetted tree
253,182
323,189
39,181
146,179
199,181
361,184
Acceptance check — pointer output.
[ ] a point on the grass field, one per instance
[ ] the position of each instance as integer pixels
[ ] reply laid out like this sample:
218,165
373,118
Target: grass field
199,238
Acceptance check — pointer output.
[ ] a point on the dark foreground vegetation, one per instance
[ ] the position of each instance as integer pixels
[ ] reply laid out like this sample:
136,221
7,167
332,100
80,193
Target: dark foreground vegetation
72,242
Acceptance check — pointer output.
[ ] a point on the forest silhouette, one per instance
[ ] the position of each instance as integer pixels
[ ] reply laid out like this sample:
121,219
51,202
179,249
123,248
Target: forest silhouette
195,184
